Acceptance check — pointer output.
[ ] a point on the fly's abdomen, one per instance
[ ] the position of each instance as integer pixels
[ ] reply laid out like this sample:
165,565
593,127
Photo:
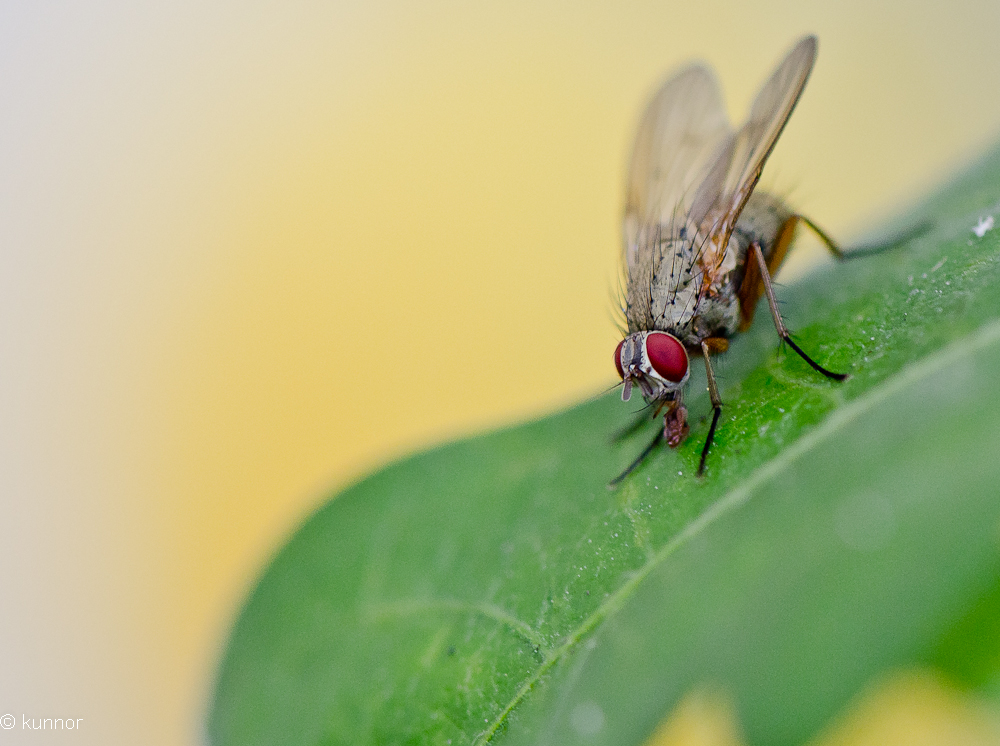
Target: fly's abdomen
761,221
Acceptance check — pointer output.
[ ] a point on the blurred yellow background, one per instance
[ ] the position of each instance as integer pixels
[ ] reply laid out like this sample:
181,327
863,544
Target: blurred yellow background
250,251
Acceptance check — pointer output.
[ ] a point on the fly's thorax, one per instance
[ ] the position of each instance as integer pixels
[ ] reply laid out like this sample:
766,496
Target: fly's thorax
655,361
675,283
689,285
663,272
715,309
685,289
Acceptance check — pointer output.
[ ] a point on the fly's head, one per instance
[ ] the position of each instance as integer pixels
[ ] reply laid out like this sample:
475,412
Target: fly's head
656,362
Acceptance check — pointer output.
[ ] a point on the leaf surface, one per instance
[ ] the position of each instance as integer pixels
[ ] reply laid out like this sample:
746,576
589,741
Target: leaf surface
493,589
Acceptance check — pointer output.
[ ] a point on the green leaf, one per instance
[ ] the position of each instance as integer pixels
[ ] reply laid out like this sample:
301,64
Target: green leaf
494,590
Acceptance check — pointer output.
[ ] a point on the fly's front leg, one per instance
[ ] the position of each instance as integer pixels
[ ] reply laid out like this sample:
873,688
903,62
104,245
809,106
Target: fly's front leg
639,459
675,422
675,429
776,315
713,394
638,423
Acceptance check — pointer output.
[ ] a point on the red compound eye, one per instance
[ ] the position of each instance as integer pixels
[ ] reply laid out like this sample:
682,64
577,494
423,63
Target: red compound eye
618,359
667,356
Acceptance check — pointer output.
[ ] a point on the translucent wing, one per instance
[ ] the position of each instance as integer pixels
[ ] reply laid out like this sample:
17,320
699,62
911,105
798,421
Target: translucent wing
734,175
677,143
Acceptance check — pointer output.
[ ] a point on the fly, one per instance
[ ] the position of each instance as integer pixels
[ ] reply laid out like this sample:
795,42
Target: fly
700,245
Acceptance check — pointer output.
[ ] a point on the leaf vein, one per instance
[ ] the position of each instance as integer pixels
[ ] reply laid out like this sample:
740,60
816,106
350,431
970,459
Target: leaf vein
981,337
410,607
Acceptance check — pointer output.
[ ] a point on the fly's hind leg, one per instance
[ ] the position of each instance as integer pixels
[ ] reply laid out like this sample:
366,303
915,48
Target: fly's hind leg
752,286
857,252
776,315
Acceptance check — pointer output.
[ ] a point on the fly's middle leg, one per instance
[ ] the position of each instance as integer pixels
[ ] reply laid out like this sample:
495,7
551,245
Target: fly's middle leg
674,430
713,395
779,324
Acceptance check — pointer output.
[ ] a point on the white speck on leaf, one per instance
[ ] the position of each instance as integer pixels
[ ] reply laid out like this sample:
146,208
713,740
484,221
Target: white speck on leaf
982,226
587,718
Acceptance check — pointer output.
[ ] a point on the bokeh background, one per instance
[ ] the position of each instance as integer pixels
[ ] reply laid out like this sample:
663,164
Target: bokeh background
250,251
